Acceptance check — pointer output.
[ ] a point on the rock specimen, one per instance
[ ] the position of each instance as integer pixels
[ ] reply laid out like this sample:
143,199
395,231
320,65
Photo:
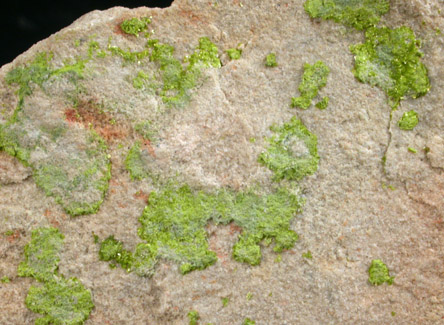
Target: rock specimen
157,166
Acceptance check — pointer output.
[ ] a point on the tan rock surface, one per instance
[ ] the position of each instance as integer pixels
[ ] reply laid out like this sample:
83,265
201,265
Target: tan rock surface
350,217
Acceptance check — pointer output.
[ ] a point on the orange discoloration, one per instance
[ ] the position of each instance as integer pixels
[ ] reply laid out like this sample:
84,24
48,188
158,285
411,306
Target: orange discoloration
51,219
89,114
149,147
192,17
141,195
234,229
13,237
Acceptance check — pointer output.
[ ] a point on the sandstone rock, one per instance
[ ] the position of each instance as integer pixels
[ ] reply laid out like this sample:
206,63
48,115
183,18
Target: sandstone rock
115,126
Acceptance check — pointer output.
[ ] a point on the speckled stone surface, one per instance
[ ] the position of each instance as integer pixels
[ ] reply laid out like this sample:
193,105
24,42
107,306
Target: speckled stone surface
356,210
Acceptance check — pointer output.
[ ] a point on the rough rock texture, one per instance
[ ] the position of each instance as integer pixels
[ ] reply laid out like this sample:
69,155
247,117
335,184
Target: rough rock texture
85,106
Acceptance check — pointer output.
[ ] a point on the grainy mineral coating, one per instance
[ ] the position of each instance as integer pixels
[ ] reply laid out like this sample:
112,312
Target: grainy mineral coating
390,59
60,300
359,14
378,273
313,79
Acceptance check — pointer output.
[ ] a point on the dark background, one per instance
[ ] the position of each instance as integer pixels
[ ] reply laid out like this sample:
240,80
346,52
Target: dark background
23,23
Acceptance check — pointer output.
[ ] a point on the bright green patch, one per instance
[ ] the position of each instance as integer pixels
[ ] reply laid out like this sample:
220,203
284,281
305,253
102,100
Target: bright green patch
408,120
307,255
390,59
94,48
359,14
379,273
61,301
5,279
393,314
9,232
134,26
206,54
174,222
177,79
412,150
112,250
42,254
314,78
136,163
234,54
193,317
173,227
128,56
270,60
292,152
249,296
323,103
248,321
225,301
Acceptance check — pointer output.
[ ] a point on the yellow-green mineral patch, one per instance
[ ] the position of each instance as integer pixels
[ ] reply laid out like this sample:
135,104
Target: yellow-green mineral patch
408,120
378,273
134,26
391,60
270,60
314,78
359,14
292,152
59,300
178,79
173,227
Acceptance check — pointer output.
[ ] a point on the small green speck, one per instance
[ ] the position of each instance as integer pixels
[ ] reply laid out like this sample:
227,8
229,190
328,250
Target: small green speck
112,250
234,54
358,14
135,163
307,255
426,149
412,150
313,79
278,258
145,130
408,120
437,31
379,273
323,103
5,279
225,301
77,43
9,233
252,140
270,60
193,317
248,321
96,238
134,26
393,313
249,296
140,80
